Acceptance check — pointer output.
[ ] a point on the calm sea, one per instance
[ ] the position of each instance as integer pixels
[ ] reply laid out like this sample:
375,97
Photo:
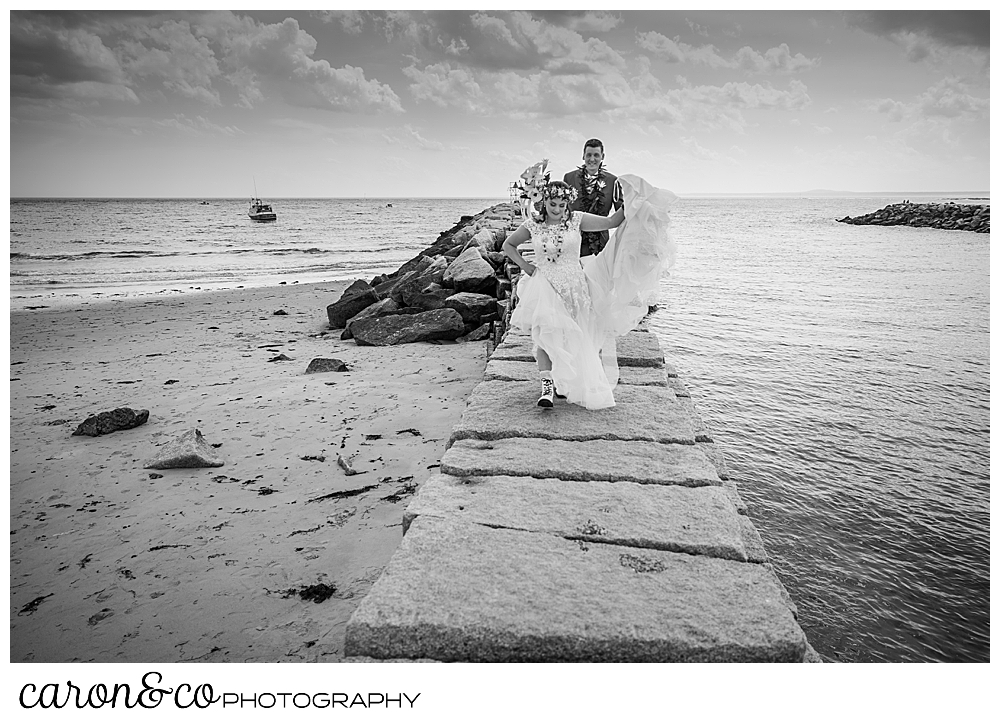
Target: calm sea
844,370
81,250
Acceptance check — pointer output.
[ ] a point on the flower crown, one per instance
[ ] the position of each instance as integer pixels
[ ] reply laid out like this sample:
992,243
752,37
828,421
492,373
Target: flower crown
534,186
565,192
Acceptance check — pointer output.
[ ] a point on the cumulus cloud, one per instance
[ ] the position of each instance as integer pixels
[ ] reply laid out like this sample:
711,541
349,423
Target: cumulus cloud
278,56
744,95
509,41
715,106
893,108
446,86
516,95
351,22
950,98
49,59
582,21
696,28
774,60
201,56
171,54
571,95
675,51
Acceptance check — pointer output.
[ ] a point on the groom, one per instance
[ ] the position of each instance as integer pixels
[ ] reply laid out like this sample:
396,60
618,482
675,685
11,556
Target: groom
598,192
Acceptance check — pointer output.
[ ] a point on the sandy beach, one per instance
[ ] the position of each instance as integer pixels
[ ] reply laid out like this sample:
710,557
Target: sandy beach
112,562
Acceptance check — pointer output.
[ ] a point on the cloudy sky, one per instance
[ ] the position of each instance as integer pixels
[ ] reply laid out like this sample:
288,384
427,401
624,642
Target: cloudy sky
458,103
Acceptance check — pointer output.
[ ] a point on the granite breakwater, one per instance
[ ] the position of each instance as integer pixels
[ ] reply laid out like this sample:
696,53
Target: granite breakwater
953,216
566,534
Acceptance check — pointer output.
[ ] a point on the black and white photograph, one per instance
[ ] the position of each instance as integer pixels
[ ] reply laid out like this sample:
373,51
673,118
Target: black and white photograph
454,336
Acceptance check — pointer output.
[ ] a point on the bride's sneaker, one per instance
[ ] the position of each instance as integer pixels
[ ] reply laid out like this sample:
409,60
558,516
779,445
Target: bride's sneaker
557,394
548,392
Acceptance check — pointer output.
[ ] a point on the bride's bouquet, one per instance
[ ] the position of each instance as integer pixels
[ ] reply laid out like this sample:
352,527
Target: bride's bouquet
532,181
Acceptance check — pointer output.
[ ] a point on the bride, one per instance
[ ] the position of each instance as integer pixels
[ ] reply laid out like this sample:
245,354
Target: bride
575,308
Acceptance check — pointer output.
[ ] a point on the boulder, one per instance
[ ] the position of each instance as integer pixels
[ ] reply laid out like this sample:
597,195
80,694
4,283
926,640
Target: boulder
406,328
472,307
457,234
417,263
188,450
477,334
356,297
388,289
108,422
497,259
356,288
409,290
430,297
484,239
319,365
470,272
500,235
379,308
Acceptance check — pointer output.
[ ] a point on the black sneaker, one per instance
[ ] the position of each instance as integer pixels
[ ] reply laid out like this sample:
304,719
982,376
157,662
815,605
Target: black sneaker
557,394
548,391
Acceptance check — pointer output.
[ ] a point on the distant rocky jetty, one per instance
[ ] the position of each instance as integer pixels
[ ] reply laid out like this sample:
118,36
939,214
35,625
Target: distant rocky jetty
955,216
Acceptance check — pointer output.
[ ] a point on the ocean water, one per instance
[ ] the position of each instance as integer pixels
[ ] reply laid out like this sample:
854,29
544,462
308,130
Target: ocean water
843,369
77,251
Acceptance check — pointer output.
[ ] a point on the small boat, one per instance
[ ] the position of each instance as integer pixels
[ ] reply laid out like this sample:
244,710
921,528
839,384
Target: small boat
388,205
204,203
260,211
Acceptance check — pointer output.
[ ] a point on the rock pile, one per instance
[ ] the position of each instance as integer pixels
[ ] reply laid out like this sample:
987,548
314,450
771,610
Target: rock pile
454,289
959,217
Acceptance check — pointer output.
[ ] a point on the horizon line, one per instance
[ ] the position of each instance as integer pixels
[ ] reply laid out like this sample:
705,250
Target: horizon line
817,191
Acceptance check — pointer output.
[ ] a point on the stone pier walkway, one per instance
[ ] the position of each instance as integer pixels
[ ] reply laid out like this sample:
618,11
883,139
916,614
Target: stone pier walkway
574,535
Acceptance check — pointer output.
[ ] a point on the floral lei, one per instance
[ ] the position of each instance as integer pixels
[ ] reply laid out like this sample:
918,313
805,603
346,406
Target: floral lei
592,198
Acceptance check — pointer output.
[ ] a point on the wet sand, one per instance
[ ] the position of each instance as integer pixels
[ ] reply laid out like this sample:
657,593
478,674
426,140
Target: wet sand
111,563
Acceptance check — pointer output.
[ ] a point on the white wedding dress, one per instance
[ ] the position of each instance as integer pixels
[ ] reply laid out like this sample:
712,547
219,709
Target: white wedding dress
575,308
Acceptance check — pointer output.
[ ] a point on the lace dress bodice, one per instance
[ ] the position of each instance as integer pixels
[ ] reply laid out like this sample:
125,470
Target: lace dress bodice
557,258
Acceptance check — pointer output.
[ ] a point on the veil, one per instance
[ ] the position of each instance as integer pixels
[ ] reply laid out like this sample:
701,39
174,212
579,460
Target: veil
625,277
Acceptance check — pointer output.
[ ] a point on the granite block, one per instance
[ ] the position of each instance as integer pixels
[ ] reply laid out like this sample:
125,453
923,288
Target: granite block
497,410
455,591
599,459
696,521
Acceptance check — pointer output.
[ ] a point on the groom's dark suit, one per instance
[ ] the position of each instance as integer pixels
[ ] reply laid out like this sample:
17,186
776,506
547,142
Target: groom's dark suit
600,202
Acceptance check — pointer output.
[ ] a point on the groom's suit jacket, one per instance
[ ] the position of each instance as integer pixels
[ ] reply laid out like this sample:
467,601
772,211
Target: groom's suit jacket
594,241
